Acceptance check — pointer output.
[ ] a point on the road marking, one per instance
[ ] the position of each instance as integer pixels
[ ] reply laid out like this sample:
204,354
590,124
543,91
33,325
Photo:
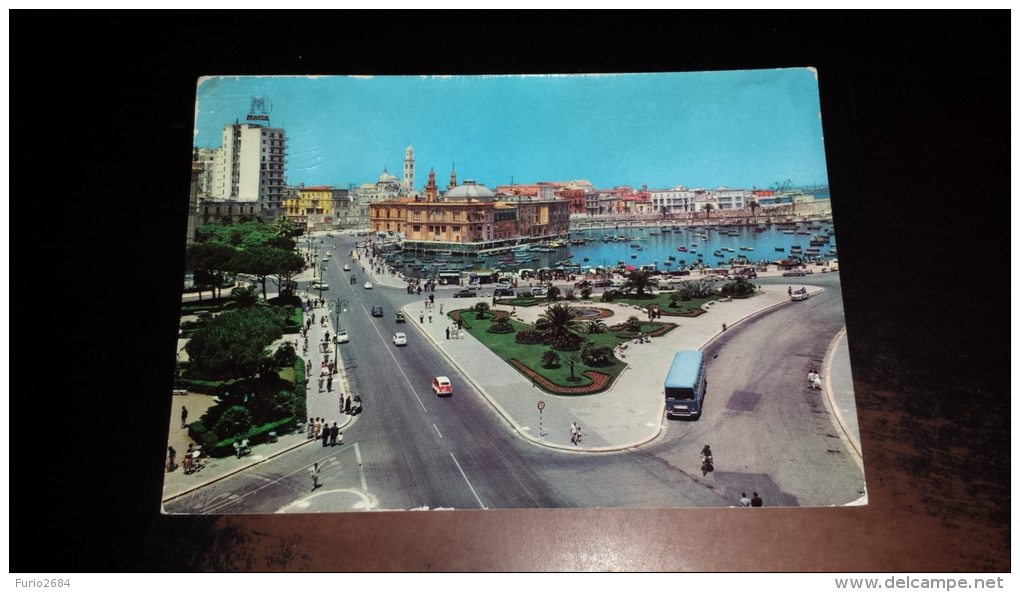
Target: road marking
437,430
361,469
473,492
389,350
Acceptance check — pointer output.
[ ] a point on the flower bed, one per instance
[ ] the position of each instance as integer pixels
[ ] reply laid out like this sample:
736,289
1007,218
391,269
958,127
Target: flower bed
622,334
599,381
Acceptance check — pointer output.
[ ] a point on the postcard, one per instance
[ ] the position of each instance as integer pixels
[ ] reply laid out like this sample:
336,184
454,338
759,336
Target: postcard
507,292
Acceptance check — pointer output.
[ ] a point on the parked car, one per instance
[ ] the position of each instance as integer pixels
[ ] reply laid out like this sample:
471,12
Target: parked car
582,284
368,285
503,292
442,387
318,286
399,339
799,295
604,283
712,277
377,311
465,293
473,286
347,267
539,292
342,337
793,273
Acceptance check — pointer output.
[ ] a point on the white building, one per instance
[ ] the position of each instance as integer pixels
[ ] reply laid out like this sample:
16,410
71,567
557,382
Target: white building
676,200
206,159
731,199
251,165
407,186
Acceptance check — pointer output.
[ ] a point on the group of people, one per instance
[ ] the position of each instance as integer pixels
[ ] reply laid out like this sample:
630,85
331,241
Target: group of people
576,437
814,380
753,502
319,429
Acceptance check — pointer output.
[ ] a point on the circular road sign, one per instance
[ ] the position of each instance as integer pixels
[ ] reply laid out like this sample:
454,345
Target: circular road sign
541,405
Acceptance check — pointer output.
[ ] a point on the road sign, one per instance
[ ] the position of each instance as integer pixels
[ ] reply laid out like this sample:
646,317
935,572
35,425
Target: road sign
541,405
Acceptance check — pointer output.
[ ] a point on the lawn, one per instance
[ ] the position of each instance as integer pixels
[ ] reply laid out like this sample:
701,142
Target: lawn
506,347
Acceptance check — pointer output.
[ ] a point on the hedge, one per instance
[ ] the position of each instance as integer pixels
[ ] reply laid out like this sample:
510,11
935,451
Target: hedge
257,435
202,387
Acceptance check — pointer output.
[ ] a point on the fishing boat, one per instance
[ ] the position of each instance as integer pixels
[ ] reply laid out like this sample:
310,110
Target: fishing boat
635,246
633,256
728,249
682,249
584,258
789,232
718,253
672,258
779,248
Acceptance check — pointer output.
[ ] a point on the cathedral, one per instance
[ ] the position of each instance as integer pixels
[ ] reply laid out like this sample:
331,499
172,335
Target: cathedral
389,186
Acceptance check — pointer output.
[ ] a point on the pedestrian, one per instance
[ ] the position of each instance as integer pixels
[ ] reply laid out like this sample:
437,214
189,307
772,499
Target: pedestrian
184,417
347,405
329,367
818,382
316,427
756,502
440,308
320,384
811,375
325,433
308,428
315,476
706,467
744,502
329,383
421,317
573,433
172,465
706,453
724,326
333,433
430,316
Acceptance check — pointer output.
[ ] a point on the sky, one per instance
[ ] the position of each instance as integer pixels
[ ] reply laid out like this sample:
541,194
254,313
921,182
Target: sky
737,129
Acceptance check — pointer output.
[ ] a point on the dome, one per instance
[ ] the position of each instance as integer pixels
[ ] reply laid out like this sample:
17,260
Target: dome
388,178
468,191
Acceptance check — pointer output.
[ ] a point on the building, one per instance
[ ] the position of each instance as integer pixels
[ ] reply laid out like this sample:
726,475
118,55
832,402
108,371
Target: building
407,186
206,159
469,213
316,208
251,165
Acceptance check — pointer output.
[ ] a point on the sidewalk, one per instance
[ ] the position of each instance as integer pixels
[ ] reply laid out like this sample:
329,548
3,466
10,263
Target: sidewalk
323,404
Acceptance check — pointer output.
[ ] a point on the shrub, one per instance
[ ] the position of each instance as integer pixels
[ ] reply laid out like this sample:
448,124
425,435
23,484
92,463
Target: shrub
529,337
740,287
568,294
553,293
633,324
284,356
480,310
550,359
501,325
595,326
597,355
585,292
564,342
203,387
525,295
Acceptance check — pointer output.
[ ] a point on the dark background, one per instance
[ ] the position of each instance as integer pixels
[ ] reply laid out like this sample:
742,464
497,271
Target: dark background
916,118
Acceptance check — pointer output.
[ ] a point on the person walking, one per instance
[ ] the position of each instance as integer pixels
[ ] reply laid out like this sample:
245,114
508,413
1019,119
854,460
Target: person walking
333,433
315,476
421,318
706,453
789,291
447,332
811,379
309,427
347,405
320,384
184,417
329,383
817,383
325,433
430,316
744,502
172,465
574,430
440,308
756,502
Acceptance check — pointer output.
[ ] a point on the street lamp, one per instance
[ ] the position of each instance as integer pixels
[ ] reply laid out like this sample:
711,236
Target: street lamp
338,306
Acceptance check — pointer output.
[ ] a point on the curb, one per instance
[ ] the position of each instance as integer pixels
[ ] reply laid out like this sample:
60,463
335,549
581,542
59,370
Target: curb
854,444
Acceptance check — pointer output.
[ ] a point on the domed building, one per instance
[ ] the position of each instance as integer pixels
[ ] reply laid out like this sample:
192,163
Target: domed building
469,191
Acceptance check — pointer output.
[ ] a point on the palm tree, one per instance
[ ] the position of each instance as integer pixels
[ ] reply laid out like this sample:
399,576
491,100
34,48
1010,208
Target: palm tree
708,210
244,297
557,322
639,280
754,205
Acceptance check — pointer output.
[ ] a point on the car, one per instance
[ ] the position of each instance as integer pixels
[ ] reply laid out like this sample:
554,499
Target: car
368,285
799,295
604,284
793,273
502,292
503,285
318,286
441,385
582,284
377,311
464,294
473,286
808,270
347,267
327,255
539,292
399,339
342,337
712,277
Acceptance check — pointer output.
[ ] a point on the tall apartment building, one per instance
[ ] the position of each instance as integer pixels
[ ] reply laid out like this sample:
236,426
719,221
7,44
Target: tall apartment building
206,159
251,165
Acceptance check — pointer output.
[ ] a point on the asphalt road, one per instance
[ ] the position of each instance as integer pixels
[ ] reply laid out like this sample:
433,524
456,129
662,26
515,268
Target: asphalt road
411,449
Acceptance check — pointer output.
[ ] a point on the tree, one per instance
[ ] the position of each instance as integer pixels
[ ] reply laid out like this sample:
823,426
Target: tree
263,262
283,227
550,358
754,205
557,323
243,297
708,210
552,293
235,344
633,324
480,309
572,360
640,281
210,263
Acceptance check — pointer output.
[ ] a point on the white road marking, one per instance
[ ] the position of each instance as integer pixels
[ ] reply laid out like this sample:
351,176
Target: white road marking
437,430
473,492
361,469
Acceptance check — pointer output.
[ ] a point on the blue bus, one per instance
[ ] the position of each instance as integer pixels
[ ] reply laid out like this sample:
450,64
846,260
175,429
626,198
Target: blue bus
685,385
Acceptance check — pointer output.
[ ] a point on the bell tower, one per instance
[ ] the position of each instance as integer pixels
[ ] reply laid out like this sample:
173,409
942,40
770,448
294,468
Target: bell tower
453,177
431,189
408,184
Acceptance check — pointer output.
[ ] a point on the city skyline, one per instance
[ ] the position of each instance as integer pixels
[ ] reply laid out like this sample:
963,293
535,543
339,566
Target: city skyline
738,129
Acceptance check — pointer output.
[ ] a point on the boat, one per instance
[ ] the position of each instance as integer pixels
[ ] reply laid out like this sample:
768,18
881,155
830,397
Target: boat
694,244
759,230
667,263
633,256
505,259
635,246
718,253
682,249
743,248
654,234
728,249
789,232
671,258
584,258
779,248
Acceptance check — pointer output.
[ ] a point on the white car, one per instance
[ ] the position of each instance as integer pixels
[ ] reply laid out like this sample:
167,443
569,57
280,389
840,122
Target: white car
399,339
342,337
473,286
799,295
318,286
368,285
347,267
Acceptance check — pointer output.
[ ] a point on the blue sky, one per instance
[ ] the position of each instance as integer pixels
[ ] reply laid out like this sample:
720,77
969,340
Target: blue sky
702,129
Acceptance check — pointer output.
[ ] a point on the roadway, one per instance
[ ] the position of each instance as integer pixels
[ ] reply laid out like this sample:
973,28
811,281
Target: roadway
410,449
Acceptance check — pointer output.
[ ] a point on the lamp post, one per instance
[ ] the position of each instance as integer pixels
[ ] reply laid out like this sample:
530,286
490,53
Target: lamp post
338,307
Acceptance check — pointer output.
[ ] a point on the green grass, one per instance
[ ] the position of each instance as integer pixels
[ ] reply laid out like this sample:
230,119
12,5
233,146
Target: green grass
506,347
662,299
